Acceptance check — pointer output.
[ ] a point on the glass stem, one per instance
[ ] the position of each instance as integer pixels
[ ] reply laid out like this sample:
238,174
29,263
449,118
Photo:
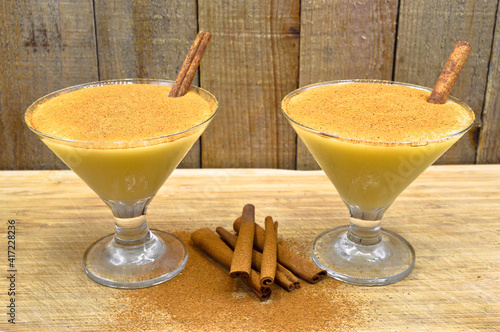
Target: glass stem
365,226
131,231
131,227
364,232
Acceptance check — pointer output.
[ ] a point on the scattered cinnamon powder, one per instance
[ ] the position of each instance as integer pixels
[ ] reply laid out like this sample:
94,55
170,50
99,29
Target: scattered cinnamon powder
376,112
119,112
203,297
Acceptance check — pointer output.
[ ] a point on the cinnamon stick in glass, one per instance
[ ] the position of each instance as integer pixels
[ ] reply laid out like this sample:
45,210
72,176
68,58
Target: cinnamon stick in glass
214,247
451,71
269,252
186,83
185,66
300,266
190,66
242,258
282,277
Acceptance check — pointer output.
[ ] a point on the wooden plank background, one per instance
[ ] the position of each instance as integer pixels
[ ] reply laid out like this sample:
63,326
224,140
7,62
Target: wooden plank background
260,51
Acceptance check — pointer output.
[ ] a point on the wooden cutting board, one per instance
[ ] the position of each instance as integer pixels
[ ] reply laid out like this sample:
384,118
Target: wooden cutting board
450,215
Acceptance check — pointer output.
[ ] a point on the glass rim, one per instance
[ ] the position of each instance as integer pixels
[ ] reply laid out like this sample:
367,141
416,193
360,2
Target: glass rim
116,144
292,94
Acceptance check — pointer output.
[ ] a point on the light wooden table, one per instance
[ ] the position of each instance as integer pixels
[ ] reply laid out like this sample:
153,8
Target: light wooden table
450,215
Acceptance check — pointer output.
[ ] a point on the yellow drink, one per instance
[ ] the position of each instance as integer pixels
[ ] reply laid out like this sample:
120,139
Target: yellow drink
373,140
123,140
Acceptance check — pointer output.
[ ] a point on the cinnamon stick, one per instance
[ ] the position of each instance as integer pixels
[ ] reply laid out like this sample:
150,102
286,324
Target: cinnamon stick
282,274
286,272
194,64
242,258
300,266
190,65
185,66
451,71
269,252
213,246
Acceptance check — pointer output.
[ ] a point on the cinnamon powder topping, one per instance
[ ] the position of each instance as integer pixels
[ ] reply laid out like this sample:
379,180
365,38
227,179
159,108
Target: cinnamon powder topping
119,112
376,112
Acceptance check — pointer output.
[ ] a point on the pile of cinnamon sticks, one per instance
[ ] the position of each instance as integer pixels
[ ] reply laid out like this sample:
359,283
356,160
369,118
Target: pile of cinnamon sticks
254,255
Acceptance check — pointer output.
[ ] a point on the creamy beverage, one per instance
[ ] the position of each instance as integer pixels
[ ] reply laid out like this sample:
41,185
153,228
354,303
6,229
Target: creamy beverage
119,138
373,140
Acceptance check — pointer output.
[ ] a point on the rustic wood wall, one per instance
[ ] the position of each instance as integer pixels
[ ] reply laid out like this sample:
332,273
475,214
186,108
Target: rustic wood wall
260,51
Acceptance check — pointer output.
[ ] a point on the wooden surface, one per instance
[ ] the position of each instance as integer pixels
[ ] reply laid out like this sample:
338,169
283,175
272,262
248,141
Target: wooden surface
449,215
261,50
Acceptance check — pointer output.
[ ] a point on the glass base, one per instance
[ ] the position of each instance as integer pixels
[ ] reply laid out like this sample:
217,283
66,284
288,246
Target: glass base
159,258
389,261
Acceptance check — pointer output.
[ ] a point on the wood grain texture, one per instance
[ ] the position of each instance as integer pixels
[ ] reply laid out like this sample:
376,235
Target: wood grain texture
251,64
489,138
146,39
449,215
344,40
427,33
45,46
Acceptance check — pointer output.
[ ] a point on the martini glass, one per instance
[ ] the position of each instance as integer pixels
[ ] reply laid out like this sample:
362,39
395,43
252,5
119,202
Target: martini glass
126,176
368,176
